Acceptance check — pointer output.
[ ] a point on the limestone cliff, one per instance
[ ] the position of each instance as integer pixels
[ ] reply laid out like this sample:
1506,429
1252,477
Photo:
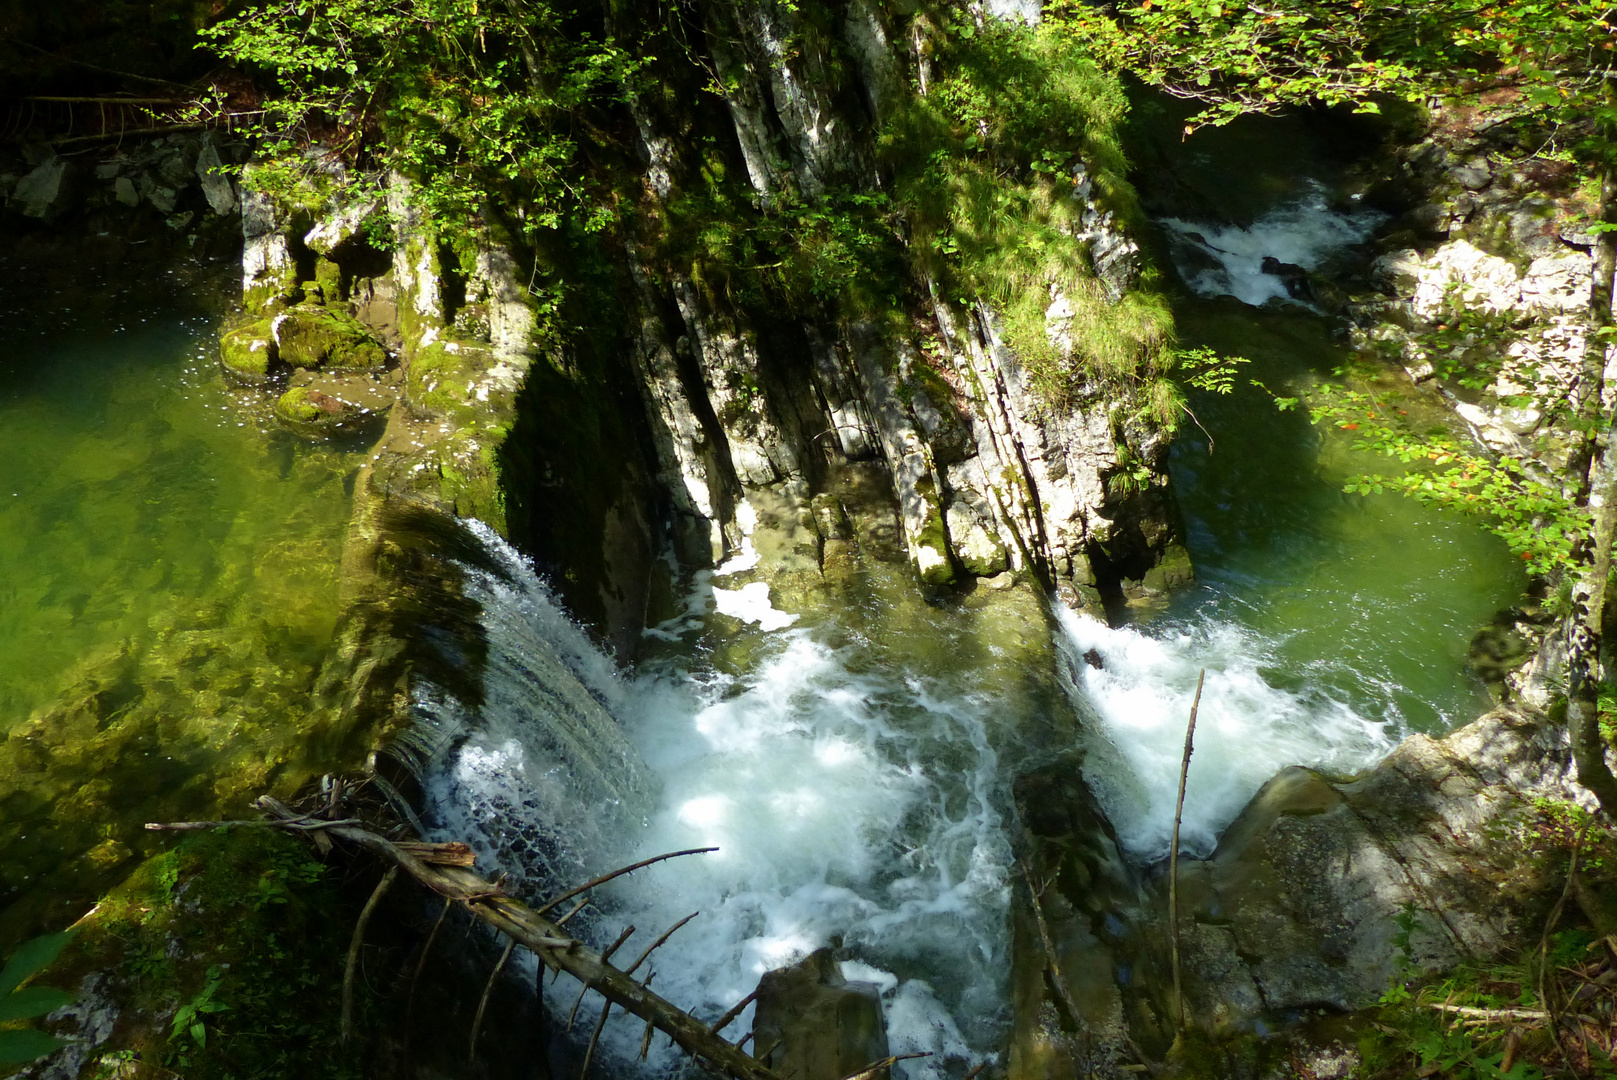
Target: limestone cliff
715,400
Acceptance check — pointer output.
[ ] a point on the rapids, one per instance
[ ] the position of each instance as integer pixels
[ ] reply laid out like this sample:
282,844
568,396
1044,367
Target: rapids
857,784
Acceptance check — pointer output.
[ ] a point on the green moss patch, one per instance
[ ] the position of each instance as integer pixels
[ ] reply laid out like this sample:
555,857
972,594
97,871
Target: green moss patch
224,957
249,352
312,336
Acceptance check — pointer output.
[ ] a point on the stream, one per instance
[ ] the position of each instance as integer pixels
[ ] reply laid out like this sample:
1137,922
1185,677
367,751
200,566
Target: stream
171,567
853,766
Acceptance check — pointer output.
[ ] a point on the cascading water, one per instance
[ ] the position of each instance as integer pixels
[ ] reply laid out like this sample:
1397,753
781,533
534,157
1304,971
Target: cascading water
852,805
1228,260
854,769
1137,702
1329,626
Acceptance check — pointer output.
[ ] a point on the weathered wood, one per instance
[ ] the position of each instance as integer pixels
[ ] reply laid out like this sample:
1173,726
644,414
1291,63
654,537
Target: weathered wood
354,946
553,948
453,853
619,872
1173,853
871,1071
735,1010
1489,1014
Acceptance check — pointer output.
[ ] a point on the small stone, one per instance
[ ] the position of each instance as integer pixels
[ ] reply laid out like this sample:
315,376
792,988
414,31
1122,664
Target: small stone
164,198
1472,175
123,189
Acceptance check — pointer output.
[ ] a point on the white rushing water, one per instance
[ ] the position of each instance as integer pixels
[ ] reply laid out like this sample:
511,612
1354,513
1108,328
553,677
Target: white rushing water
1227,260
1137,703
851,806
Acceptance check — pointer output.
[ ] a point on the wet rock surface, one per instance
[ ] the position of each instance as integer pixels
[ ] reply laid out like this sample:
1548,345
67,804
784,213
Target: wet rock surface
813,1024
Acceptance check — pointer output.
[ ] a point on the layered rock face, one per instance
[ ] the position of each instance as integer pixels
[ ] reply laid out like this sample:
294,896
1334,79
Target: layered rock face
987,475
709,412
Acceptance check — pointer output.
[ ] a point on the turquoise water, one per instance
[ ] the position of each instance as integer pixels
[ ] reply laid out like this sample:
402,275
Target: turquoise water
1373,600
169,586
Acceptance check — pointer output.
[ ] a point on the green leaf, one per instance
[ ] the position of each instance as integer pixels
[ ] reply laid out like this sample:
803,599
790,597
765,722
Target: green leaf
32,1001
31,958
17,1047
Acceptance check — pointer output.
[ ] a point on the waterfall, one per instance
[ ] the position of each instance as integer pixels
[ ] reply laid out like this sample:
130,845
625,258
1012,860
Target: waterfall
538,777
1228,260
1134,692
852,805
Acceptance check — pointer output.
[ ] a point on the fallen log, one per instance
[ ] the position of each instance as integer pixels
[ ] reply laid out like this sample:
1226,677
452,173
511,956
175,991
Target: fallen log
554,948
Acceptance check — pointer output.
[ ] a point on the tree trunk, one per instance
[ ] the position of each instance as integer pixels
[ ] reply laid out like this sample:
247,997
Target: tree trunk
1590,590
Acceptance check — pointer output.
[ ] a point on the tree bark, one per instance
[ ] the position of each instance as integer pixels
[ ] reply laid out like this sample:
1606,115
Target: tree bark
555,949
1589,592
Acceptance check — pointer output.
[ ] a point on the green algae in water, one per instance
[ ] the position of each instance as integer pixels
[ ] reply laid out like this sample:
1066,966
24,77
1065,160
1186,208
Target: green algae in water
170,587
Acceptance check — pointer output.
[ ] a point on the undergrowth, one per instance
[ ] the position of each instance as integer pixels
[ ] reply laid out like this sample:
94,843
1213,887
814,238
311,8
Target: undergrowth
1546,1011
227,955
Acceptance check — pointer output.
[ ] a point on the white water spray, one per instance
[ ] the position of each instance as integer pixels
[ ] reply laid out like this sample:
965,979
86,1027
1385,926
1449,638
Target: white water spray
853,807
1137,702
1227,260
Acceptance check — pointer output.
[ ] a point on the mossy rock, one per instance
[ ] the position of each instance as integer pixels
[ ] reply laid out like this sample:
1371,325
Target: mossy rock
315,415
312,336
249,352
245,928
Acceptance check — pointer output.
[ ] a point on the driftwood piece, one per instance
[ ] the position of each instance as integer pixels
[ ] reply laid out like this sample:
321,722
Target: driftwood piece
358,941
1173,853
487,902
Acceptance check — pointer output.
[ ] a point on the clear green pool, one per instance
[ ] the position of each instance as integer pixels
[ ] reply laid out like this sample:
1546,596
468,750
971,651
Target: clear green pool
169,586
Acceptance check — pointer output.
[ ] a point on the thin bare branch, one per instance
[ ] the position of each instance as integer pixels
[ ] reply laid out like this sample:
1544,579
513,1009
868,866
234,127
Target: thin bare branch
631,868
354,945
482,1004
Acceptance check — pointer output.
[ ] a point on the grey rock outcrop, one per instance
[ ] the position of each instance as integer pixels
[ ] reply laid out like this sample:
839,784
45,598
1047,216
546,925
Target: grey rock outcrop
820,1026
1312,880
1305,903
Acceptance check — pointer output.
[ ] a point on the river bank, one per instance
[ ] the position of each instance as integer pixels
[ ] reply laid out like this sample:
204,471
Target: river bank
829,546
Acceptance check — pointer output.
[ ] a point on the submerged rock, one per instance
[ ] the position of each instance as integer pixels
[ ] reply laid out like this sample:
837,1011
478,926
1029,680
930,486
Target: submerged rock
319,412
821,1026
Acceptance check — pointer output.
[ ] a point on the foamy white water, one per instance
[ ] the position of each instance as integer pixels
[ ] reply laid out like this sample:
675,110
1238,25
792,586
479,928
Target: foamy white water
837,823
1228,261
852,807
1136,706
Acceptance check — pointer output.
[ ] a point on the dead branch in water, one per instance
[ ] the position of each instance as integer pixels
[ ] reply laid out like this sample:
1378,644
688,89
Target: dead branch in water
1173,853
443,869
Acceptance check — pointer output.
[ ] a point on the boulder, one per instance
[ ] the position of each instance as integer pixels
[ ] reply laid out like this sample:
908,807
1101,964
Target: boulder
313,335
1293,277
1318,881
820,1026
216,186
249,352
45,192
